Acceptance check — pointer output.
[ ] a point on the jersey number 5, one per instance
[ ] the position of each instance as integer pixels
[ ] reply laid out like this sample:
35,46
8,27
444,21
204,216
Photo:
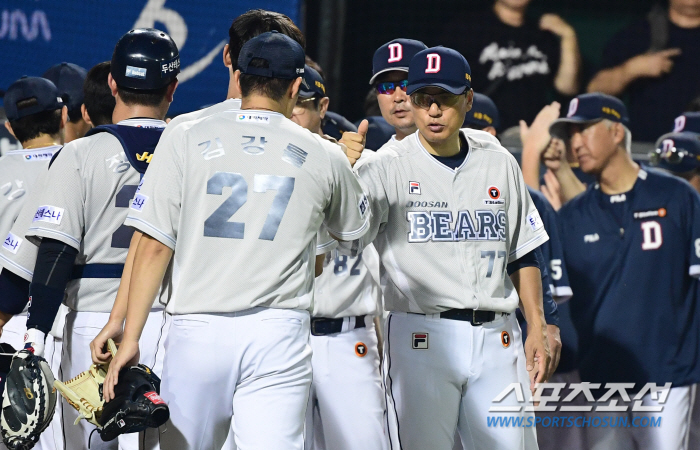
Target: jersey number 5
217,224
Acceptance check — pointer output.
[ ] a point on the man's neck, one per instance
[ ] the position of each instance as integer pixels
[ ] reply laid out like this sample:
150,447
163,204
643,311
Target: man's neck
123,112
448,147
683,21
510,16
76,130
619,175
44,140
695,182
400,134
262,103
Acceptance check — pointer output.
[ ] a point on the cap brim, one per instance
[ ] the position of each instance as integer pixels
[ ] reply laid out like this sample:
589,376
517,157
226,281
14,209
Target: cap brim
449,88
388,69
559,128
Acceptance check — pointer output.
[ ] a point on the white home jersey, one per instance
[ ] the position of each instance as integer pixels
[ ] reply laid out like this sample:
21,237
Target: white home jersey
240,197
445,236
84,204
18,172
226,105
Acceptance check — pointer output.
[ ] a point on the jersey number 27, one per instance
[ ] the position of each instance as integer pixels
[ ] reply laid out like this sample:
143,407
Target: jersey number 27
217,224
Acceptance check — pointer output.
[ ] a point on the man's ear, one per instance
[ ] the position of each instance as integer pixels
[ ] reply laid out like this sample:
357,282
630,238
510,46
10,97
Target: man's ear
8,127
86,116
237,80
64,116
112,85
227,57
619,134
470,100
170,93
294,88
323,106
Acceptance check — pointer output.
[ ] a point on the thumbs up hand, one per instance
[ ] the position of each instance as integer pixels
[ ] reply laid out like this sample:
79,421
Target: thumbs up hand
353,143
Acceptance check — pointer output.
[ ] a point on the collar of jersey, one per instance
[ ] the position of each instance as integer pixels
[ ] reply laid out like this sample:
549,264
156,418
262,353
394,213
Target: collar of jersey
52,148
642,175
435,161
143,122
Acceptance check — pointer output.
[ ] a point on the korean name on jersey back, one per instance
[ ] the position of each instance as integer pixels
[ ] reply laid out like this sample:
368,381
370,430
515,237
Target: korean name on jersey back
442,226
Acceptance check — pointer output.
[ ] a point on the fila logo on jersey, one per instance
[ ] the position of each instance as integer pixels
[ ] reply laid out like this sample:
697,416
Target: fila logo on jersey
505,339
420,341
433,63
414,187
145,156
652,237
436,226
395,52
618,198
591,238
12,243
361,349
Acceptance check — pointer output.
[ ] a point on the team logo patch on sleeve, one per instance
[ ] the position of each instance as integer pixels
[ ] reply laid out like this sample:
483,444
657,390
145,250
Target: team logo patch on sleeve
535,220
414,187
419,341
138,202
361,349
12,243
50,214
363,206
505,339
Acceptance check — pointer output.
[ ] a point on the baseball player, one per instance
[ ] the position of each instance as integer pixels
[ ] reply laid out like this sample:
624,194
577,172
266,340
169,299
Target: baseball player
449,320
249,313
98,103
78,225
69,79
633,225
346,392
36,117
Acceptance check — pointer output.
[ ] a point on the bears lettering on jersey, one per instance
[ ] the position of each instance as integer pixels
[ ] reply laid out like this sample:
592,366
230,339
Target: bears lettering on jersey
437,226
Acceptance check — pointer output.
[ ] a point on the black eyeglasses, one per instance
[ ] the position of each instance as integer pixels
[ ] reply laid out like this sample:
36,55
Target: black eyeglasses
389,87
443,100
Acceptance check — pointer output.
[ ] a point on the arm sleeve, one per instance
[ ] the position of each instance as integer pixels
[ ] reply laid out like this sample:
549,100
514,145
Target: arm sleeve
155,209
15,293
324,242
525,225
553,254
348,212
52,272
531,259
61,207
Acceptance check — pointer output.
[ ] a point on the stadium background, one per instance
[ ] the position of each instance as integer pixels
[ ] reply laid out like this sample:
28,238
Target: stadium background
342,36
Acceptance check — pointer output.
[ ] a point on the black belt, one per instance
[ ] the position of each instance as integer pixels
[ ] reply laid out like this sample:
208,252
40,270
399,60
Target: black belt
473,316
322,327
97,271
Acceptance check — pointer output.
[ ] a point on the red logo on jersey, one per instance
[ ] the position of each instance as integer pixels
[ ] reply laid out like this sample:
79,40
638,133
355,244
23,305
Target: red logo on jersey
154,397
662,212
420,341
395,52
361,349
505,339
494,193
414,187
433,63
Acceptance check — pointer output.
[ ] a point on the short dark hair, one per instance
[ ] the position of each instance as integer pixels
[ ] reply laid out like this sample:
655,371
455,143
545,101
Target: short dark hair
99,101
34,125
274,88
143,97
256,22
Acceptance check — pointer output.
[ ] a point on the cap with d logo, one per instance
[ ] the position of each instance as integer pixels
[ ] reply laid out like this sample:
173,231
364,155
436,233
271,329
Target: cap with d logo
394,55
441,67
689,121
589,108
677,152
484,113
34,95
277,56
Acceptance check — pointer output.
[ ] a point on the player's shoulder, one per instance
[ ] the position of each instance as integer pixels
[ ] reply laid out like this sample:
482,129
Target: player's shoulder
658,179
538,198
229,104
482,141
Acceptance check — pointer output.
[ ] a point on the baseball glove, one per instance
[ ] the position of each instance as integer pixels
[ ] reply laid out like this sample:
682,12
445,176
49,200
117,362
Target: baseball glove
84,392
136,405
29,401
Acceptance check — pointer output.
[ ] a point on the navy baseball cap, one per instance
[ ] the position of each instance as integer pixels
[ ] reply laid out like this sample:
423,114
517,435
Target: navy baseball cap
591,107
441,67
312,84
69,79
394,55
688,121
284,57
484,113
677,152
26,88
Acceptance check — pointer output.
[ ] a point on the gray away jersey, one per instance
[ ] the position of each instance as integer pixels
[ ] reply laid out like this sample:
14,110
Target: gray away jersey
239,197
84,205
226,105
445,236
18,172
